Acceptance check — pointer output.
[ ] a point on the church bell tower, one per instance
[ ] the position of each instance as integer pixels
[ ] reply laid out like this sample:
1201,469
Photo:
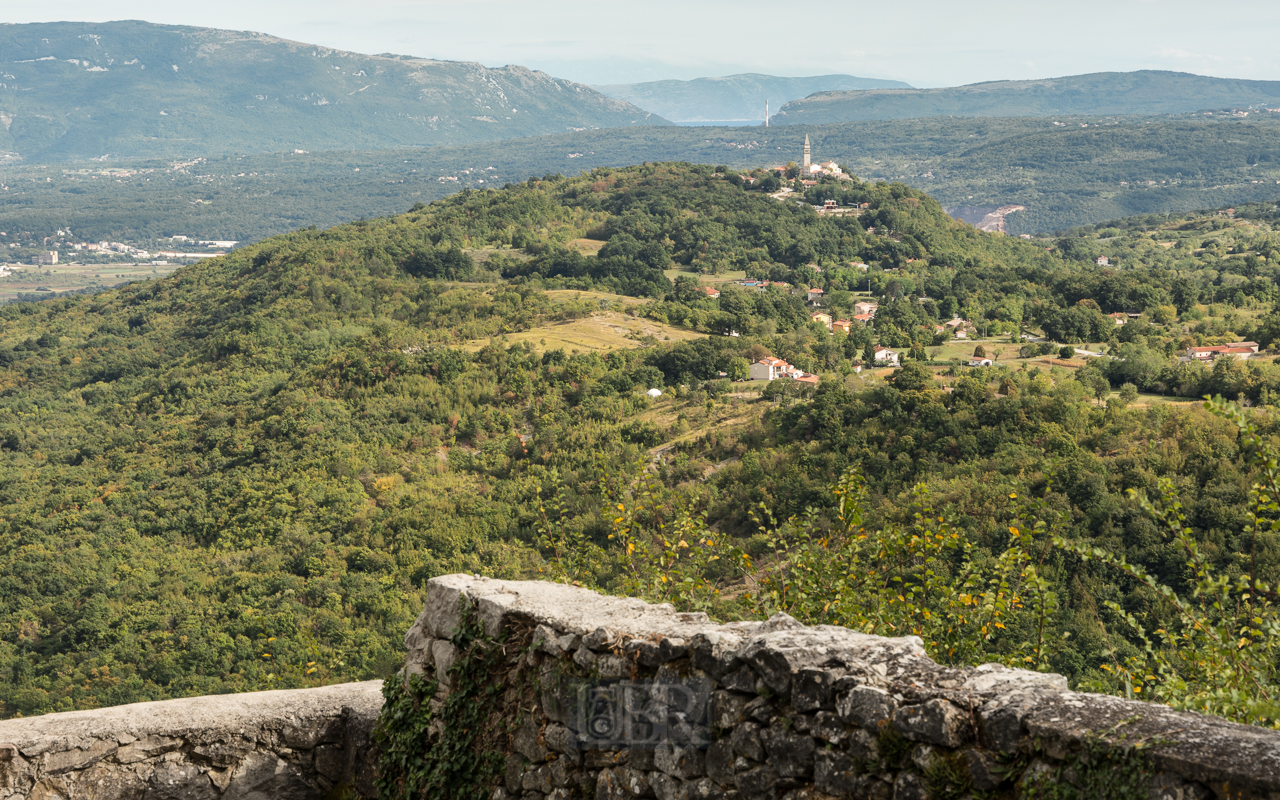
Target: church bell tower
807,153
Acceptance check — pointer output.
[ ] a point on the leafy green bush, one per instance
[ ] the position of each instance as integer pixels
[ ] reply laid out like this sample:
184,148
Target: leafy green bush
1212,645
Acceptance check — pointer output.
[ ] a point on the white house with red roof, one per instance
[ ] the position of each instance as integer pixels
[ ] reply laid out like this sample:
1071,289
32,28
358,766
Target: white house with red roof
887,356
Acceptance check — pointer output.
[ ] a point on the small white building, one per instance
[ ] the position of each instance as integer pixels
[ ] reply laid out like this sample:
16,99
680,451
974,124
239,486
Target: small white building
886,356
770,369
865,308
980,362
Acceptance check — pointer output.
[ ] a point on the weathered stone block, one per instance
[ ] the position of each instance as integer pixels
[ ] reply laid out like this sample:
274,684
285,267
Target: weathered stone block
790,753
330,760
559,738
223,755
908,786
15,771
686,692
55,763
585,659
719,762
1003,720
867,707
180,782
563,772
741,680
812,690
761,710
528,743
760,783
546,640
863,746
679,762
50,789
601,640
834,773
664,786
984,770
537,779
598,759
1167,786
745,741
728,710
513,775
829,727
634,781
107,781
147,747
707,789
442,655
937,722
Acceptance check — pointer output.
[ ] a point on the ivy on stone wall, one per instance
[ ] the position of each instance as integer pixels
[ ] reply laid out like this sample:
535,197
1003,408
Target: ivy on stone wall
422,759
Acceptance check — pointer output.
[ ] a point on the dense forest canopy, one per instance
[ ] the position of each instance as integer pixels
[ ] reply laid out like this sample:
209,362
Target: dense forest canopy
241,475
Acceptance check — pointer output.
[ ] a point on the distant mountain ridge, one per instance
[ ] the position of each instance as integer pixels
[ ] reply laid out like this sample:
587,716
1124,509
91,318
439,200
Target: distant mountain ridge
1108,93
732,97
79,90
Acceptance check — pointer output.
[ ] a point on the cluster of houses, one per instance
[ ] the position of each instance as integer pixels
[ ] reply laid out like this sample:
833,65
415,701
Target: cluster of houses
771,369
864,313
1240,351
957,327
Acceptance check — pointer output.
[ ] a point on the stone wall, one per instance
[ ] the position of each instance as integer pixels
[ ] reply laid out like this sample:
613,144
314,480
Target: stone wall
304,744
632,700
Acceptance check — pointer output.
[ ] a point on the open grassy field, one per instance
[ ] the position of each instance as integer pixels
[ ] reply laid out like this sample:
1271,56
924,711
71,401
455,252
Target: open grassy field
563,295
963,350
588,247
724,277
70,277
601,332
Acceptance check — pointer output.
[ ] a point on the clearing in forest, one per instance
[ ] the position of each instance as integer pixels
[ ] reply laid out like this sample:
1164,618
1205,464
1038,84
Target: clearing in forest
599,332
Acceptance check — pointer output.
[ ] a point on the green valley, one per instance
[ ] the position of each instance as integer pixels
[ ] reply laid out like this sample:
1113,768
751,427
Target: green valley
239,476
1088,171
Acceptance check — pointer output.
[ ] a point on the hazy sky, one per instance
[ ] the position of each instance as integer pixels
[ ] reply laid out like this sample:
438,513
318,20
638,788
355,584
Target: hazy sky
923,42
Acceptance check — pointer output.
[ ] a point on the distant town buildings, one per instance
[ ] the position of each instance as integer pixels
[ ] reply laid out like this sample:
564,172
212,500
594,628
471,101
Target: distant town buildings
47,258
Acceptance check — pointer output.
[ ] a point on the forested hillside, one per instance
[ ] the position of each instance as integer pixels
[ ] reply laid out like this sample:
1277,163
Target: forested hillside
79,90
240,476
1066,175
1103,93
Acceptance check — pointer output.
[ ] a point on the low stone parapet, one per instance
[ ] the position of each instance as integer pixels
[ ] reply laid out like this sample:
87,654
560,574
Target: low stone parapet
631,700
302,744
